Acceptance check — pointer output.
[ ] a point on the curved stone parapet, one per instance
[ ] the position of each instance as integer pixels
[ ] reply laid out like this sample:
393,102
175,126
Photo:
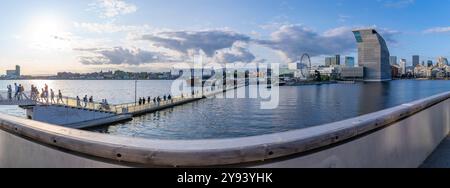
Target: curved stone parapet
402,136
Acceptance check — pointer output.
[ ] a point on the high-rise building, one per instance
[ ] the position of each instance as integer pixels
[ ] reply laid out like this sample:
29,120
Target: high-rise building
333,61
373,55
423,63
415,60
337,59
328,61
393,60
402,66
349,61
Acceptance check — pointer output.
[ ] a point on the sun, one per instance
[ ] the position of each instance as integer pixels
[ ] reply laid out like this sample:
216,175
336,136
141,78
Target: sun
47,32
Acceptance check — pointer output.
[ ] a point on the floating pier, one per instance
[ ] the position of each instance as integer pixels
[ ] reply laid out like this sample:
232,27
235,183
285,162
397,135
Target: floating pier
72,113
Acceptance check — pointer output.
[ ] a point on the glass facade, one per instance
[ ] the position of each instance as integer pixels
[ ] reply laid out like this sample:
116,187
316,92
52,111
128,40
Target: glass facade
358,36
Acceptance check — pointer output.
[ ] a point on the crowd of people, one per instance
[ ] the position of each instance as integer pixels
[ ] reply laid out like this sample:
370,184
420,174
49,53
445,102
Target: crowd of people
88,102
46,95
156,100
18,92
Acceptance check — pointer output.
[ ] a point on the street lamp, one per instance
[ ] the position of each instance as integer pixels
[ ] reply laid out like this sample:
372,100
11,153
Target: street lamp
135,92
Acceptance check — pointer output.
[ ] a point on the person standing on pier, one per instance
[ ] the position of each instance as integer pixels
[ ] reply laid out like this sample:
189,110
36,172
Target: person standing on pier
140,101
20,92
9,92
165,97
85,101
143,100
16,90
78,102
170,98
60,97
46,91
149,99
43,96
52,96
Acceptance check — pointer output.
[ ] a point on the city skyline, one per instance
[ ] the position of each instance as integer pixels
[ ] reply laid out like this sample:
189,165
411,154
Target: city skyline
83,36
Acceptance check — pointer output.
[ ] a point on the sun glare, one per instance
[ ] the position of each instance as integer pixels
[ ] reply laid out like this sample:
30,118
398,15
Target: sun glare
47,32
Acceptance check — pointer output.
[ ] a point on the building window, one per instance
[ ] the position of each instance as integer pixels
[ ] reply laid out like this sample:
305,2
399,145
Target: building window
358,36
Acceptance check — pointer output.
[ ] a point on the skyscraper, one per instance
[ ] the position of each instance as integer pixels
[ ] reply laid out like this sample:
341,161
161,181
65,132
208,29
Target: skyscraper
373,55
415,60
349,61
333,61
402,66
393,60
429,63
337,60
328,61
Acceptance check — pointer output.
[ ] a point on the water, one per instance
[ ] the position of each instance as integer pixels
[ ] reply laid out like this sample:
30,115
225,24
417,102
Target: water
300,107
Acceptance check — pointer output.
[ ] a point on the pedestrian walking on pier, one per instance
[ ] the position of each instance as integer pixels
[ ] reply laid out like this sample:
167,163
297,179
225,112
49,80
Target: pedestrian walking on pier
78,102
60,97
170,98
140,101
154,100
52,96
16,91
46,91
149,99
21,91
9,92
165,98
143,100
85,101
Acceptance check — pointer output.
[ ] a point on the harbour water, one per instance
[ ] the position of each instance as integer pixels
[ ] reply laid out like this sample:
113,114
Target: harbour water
299,107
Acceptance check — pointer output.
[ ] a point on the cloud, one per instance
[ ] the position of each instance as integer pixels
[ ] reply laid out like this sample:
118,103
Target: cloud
206,41
397,3
294,40
237,53
438,30
109,27
343,18
112,8
120,55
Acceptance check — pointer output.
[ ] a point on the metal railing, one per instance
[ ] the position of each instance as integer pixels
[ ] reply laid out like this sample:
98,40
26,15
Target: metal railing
33,98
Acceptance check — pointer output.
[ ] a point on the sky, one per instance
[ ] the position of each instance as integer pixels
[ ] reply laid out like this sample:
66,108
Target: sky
50,36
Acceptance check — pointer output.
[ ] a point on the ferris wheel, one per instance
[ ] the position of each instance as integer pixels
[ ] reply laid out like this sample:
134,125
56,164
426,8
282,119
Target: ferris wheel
305,65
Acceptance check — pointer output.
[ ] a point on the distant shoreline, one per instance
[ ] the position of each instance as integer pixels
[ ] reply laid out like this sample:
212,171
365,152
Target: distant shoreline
84,79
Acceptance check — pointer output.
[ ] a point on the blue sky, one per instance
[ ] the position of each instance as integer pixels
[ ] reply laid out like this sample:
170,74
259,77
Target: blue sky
48,36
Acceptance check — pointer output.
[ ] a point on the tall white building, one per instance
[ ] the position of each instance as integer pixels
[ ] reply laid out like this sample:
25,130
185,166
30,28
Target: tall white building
403,66
442,61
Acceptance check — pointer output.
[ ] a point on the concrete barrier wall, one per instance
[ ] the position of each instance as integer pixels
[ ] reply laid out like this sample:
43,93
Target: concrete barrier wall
402,136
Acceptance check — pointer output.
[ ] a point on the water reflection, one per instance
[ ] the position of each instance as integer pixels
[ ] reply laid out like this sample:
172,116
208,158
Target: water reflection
299,107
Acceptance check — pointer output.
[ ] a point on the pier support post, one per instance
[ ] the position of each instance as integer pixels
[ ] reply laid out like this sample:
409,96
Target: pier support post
224,79
192,82
257,74
235,79
247,82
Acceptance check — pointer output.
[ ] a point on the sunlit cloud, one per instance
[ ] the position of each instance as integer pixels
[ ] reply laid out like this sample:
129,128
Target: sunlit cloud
112,8
438,30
